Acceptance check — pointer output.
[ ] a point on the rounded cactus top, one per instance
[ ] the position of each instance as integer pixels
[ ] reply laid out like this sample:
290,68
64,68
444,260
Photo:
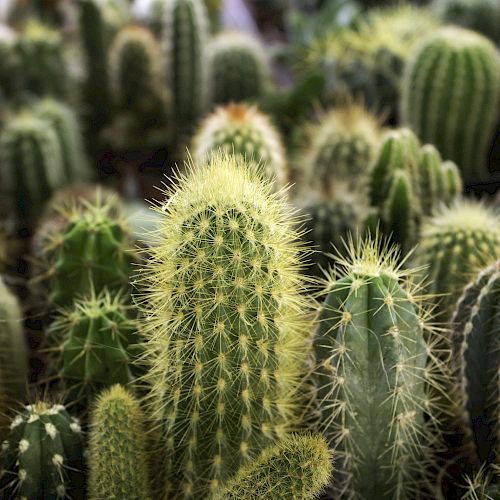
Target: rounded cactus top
458,38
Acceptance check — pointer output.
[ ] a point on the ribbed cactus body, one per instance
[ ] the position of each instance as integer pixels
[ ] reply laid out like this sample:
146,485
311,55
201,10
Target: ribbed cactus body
238,68
455,243
476,347
118,454
244,131
371,375
226,325
43,455
451,95
297,467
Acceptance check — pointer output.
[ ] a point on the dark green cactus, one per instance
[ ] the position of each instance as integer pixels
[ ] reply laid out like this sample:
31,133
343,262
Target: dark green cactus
297,467
43,455
117,448
452,66
226,325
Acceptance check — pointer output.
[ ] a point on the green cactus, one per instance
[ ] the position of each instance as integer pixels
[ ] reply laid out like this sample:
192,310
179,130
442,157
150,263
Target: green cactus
238,68
451,95
372,370
455,243
43,455
243,130
484,485
117,448
297,467
32,166
226,325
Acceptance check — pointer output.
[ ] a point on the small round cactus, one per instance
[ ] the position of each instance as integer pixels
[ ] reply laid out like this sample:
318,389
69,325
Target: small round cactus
243,130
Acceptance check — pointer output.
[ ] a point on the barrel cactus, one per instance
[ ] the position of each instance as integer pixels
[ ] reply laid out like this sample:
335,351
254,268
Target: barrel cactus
243,130
451,95
43,455
226,325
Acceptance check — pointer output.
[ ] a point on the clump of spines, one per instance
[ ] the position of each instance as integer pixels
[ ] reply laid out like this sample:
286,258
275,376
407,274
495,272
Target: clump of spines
118,448
43,455
298,467
226,324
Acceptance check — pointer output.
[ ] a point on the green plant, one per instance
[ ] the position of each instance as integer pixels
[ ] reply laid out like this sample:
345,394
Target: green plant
43,455
226,324
297,467
244,131
451,95
117,449
484,485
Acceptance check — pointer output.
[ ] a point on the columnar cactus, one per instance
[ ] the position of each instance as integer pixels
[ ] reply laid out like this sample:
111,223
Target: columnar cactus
297,467
117,447
238,68
43,455
243,130
226,325
452,66
455,243
371,377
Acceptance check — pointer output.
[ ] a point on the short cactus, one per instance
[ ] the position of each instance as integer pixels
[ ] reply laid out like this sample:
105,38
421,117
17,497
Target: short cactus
438,77
43,455
226,325
118,455
243,130
297,467
238,68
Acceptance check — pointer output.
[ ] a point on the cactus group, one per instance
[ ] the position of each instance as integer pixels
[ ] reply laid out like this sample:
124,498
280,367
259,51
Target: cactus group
226,325
451,95
118,448
43,455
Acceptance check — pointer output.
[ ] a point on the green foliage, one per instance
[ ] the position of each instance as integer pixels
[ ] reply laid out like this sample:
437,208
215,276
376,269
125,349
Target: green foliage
118,455
226,325
297,467
43,455
451,95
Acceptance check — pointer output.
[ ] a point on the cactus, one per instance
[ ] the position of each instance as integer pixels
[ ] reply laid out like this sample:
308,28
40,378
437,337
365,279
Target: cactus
372,375
185,37
243,130
118,454
7,66
32,166
297,467
238,66
226,325
43,455
484,485
445,106
455,243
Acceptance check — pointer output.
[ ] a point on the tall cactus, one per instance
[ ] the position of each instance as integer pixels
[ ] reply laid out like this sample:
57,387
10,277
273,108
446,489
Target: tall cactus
297,467
43,455
451,95
118,453
226,325
372,375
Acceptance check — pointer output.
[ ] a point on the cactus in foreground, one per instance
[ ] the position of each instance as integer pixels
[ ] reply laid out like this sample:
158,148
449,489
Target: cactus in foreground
451,95
484,485
238,68
372,370
455,243
243,130
297,467
226,325
476,348
43,455
118,455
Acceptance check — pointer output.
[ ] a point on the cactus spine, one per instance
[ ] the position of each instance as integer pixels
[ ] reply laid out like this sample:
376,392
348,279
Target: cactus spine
42,456
297,467
118,454
451,95
226,325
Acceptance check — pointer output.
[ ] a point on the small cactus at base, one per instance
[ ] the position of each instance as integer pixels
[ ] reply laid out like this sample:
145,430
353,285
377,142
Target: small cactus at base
299,467
43,455
117,448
